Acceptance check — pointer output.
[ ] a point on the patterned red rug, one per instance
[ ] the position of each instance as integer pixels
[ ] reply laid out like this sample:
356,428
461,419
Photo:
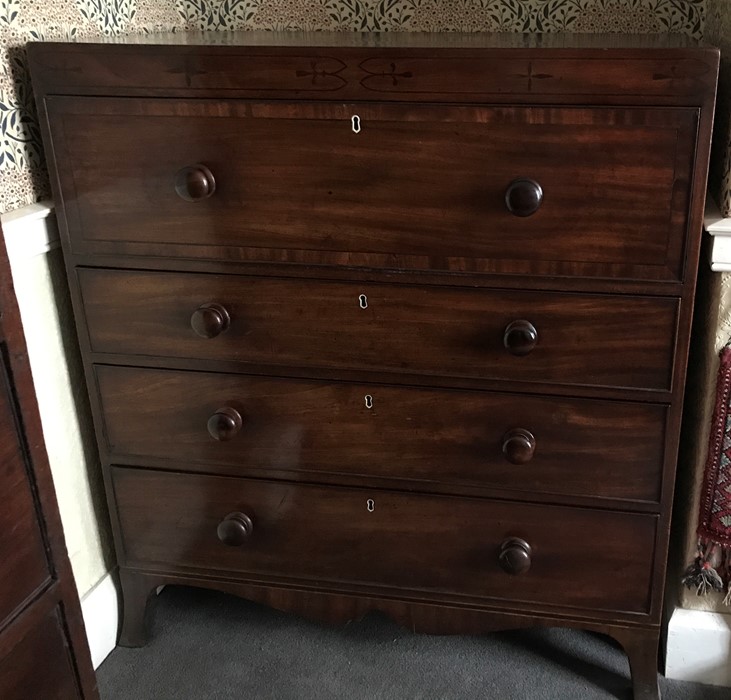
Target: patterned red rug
711,570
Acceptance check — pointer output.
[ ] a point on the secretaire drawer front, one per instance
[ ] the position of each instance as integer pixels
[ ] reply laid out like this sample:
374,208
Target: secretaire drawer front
528,337
235,424
539,190
433,544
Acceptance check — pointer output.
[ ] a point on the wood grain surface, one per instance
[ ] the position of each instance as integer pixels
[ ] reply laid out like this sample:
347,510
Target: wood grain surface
391,323
590,340
418,187
400,541
603,449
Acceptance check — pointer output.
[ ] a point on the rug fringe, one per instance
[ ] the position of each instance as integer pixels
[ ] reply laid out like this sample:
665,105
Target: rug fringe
710,570
727,597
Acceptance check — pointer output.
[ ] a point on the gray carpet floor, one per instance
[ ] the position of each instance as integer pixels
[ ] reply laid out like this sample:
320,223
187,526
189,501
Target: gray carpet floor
209,646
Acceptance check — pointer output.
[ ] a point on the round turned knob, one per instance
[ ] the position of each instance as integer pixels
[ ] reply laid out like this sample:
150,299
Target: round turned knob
224,423
520,337
519,446
515,556
194,183
523,197
235,529
210,320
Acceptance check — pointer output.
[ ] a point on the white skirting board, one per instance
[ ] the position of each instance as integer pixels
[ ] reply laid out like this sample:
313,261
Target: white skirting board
720,230
31,232
699,647
100,608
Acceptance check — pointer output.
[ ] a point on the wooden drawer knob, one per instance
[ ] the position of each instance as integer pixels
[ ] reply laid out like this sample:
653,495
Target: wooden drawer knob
515,556
519,446
194,183
523,197
210,320
224,423
235,529
520,337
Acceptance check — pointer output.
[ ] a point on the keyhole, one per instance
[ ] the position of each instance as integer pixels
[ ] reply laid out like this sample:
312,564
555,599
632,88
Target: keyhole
369,401
363,301
371,505
355,119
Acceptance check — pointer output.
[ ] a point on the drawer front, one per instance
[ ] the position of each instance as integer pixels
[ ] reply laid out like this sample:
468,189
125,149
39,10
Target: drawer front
431,544
234,423
417,187
591,340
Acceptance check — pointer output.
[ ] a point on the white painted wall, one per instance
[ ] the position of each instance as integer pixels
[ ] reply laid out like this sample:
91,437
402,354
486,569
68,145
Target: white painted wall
40,285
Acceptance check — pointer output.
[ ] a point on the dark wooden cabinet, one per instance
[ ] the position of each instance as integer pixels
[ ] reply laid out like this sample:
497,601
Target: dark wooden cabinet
43,648
391,323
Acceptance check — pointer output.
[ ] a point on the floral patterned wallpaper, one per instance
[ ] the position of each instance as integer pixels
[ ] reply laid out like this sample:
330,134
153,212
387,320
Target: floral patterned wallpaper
22,171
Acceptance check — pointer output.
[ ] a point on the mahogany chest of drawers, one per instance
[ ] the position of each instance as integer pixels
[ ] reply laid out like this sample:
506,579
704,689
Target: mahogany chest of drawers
391,323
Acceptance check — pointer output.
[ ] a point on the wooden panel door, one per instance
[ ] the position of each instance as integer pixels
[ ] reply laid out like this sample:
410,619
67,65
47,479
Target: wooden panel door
43,649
